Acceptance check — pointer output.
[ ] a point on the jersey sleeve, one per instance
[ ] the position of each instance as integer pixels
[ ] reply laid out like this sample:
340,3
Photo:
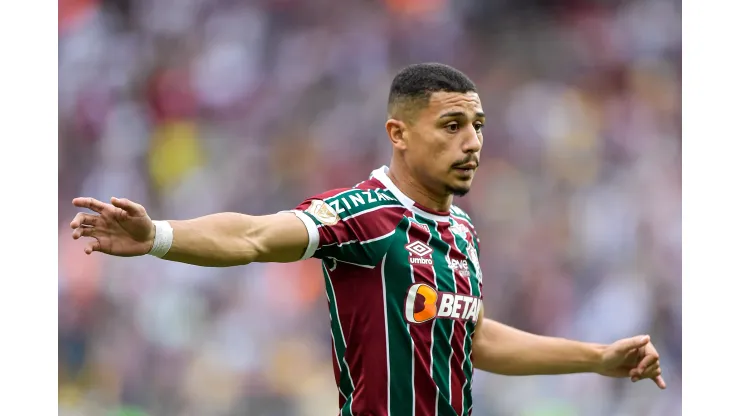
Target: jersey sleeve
350,225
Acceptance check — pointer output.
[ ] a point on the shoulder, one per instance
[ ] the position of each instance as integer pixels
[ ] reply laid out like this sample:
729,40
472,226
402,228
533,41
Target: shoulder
342,204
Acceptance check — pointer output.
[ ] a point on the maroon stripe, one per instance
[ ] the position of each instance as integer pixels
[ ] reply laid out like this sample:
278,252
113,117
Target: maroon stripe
462,284
337,234
360,307
457,376
424,387
324,195
371,183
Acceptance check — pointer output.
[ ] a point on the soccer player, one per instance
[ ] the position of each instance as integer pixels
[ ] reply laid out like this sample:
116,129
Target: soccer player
400,264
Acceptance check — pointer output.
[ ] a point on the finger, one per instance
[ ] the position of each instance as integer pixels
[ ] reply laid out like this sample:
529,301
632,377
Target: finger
83,219
89,203
650,372
646,362
632,343
83,232
660,382
131,208
93,245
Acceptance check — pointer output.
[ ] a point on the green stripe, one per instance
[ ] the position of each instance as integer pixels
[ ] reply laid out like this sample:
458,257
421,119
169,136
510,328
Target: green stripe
442,327
346,386
397,278
462,245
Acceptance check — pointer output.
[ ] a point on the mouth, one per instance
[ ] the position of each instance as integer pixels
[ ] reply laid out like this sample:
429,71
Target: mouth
466,170
471,166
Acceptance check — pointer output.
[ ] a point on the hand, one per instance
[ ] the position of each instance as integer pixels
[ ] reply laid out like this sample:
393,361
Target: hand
121,228
635,358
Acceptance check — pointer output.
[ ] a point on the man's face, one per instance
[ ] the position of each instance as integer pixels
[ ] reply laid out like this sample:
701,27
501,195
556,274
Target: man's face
445,141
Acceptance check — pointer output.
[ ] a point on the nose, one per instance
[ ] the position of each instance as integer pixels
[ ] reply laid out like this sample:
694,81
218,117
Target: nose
472,141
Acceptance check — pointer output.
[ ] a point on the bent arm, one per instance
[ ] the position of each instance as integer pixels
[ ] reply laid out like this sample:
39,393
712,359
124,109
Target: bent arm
231,239
501,349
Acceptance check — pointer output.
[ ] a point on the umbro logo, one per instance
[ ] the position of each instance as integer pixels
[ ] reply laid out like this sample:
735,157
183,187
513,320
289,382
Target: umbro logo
419,252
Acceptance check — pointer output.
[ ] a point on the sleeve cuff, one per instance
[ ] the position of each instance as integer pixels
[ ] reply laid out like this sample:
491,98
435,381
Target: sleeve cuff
313,233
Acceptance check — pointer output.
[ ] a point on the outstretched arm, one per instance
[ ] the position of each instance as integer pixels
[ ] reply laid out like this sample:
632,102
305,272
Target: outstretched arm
501,349
123,228
231,239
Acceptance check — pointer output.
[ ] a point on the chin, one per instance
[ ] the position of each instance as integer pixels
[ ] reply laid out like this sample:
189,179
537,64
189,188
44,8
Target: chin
459,189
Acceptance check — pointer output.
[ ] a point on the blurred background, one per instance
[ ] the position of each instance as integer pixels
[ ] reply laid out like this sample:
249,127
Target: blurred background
198,106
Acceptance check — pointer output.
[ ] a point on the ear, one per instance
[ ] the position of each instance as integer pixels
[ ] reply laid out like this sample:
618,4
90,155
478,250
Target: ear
397,133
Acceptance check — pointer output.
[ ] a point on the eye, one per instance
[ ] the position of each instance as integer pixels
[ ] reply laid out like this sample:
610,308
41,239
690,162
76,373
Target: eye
479,126
452,127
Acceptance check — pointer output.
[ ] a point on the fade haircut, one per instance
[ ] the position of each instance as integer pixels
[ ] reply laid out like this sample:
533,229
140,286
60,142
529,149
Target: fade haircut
414,85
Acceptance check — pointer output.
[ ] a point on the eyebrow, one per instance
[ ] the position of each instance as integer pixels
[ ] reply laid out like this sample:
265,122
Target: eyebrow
451,114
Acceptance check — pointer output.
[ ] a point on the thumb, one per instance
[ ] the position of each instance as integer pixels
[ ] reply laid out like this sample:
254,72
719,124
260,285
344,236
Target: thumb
131,208
628,344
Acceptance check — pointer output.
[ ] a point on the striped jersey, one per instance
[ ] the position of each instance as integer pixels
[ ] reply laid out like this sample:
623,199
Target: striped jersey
404,290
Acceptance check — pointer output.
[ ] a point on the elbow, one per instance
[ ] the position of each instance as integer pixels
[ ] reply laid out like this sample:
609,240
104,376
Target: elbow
244,245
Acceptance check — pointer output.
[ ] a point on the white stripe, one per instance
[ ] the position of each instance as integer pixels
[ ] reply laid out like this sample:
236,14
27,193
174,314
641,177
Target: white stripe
381,175
354,264
372,240
313,233
341,332
408,328
385,319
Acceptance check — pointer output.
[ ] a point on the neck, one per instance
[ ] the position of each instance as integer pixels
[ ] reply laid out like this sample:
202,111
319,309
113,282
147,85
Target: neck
401,176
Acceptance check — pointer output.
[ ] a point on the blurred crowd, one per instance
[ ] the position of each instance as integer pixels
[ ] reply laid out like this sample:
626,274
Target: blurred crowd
192,107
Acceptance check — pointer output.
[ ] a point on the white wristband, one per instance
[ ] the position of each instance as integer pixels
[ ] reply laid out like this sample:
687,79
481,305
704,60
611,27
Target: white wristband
163,236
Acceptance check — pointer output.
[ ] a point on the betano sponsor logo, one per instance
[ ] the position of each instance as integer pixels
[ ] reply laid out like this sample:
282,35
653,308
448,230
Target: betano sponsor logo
419,253
440,305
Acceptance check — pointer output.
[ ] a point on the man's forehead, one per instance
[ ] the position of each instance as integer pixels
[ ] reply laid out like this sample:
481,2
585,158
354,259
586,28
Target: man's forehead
443,102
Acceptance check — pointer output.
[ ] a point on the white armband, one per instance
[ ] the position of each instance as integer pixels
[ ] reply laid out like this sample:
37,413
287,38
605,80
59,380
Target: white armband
163,235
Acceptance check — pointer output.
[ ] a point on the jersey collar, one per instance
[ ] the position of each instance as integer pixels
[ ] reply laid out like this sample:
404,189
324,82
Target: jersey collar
381,174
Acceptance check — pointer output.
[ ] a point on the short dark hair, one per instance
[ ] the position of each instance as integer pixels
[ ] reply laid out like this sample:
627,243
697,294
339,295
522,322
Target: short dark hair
416,83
